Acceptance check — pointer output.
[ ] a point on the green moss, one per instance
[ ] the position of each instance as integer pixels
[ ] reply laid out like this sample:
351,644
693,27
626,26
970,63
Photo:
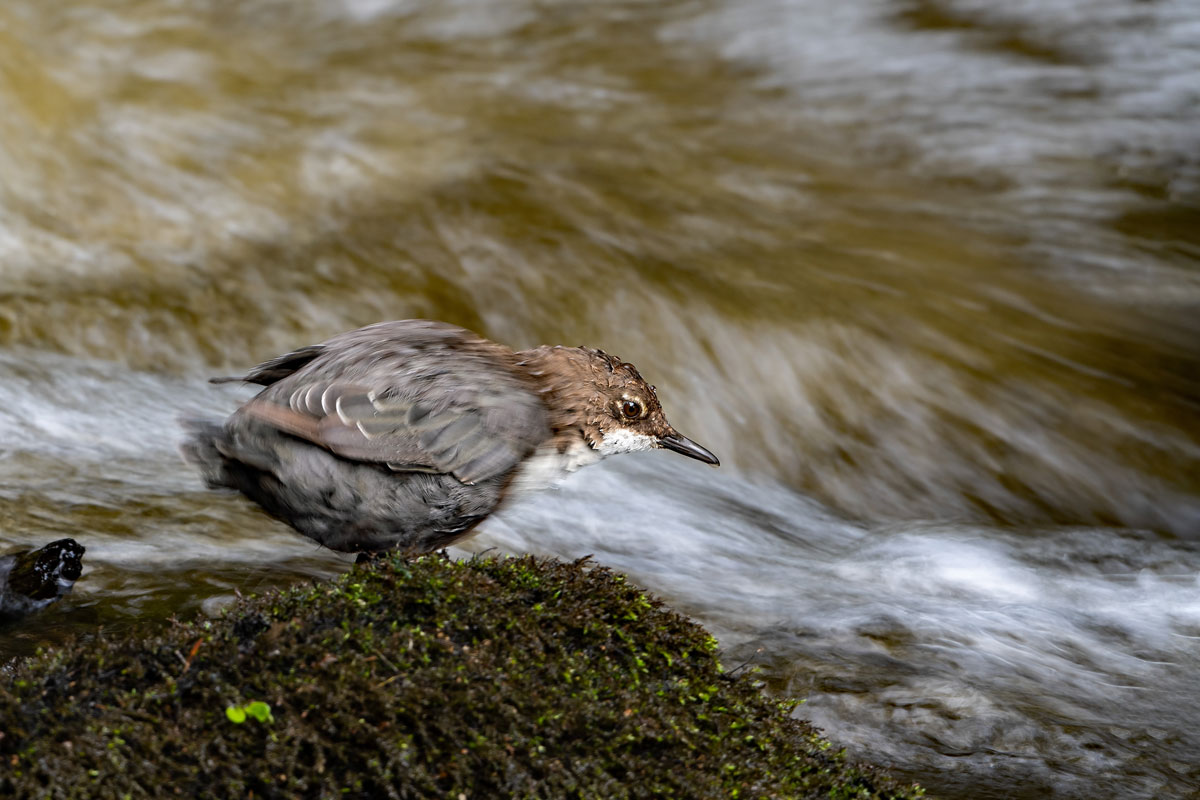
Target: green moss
430,678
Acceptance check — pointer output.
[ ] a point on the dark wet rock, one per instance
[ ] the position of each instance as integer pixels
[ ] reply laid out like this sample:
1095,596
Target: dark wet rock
30,580
427,678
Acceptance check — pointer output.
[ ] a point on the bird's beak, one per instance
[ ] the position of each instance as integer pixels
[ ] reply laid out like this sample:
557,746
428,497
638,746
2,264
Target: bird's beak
685,446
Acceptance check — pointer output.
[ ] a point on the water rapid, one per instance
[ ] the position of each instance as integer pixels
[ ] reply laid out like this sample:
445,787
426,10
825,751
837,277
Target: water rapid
924,273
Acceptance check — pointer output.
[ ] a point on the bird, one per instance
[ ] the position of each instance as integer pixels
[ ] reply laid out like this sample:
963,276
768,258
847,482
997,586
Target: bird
405,435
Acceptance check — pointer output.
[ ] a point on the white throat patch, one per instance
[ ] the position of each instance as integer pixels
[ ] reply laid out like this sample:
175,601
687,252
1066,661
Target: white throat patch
622,440
547,466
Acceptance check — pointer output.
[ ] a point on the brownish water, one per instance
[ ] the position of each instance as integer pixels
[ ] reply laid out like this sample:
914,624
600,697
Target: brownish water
923,273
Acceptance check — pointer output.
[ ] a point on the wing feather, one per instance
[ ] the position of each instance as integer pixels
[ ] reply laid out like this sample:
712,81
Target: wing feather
414,396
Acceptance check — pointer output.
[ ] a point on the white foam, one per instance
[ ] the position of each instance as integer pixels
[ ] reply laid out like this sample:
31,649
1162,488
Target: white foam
997,640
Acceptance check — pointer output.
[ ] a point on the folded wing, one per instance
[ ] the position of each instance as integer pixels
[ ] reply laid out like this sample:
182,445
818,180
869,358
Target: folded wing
412,395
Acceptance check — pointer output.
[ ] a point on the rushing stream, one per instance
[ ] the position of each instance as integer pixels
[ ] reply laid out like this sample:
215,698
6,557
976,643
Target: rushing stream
924,273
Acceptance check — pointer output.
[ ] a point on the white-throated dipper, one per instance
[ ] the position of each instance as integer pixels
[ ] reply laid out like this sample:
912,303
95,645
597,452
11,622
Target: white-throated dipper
408,434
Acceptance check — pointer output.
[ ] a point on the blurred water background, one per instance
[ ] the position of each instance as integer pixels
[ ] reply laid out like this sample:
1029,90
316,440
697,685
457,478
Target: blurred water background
924,273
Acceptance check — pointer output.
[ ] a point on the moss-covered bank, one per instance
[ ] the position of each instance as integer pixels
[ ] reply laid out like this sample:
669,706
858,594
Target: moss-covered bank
481,679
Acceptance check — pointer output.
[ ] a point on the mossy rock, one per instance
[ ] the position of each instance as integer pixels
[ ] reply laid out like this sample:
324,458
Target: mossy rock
431,678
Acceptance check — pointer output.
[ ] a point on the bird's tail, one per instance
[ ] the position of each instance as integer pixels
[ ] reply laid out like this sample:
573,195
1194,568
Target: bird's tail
200,449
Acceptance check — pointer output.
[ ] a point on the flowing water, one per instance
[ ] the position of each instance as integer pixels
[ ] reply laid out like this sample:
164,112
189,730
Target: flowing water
924,273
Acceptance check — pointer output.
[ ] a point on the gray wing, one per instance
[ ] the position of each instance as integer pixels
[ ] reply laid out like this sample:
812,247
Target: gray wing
414,395
277,368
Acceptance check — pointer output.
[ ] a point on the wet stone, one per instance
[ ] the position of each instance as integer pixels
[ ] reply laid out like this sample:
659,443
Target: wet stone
427,678
30,580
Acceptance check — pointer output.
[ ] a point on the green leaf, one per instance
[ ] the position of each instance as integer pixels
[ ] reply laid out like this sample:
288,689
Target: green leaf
260,711
236,715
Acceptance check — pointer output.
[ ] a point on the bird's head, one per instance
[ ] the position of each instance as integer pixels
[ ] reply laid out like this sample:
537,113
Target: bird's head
608,402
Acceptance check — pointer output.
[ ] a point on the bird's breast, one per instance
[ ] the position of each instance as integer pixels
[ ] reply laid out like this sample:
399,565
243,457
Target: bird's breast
548,465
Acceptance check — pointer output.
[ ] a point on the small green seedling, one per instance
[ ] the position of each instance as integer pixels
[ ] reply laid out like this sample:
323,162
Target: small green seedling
256,708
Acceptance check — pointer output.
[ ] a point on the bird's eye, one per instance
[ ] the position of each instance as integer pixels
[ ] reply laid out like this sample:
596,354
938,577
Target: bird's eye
632,409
